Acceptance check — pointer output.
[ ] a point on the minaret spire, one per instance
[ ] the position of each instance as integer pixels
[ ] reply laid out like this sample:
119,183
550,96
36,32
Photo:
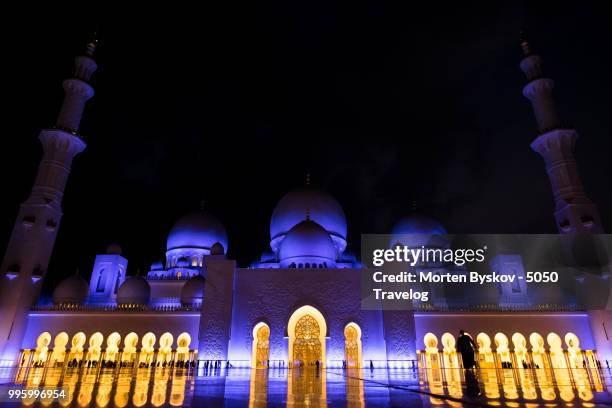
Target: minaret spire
30,246
574,211
78,90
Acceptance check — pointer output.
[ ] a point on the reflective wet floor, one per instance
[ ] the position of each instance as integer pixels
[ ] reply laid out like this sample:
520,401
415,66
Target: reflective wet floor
307,387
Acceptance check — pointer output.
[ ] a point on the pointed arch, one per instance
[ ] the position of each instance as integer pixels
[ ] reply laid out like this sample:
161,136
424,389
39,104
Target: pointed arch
260,351
310,319
352,346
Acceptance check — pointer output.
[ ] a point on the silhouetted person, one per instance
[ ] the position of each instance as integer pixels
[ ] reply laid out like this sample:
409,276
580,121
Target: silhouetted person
466,346
371,365
317,364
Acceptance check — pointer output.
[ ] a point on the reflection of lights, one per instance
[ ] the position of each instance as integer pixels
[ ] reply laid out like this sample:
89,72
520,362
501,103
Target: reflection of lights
141,388
258,392
177,391
541,370
158,398
122,392
104,388
88,381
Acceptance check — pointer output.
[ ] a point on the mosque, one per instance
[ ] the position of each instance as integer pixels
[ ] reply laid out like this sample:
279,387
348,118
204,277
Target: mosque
299,303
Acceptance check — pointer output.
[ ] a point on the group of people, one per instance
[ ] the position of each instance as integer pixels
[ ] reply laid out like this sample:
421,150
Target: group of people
113,364
172,363
300,363
214,364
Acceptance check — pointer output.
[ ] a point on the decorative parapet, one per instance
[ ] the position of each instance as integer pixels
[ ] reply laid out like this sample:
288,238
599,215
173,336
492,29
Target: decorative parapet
115,308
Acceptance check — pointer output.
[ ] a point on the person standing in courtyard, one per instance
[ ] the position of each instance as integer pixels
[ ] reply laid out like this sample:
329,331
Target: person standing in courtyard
466,346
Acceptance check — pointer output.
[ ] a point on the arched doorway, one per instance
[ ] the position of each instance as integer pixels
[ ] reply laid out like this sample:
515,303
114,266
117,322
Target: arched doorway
352,345
307,329
42,349
261,346
182,349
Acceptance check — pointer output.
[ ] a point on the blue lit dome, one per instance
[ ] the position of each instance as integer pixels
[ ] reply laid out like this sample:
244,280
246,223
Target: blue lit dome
135,290
196,230
307,244
192,291
417,230
323,209
72,290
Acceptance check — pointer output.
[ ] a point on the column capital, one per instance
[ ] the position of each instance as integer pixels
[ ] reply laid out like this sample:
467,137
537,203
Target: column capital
556,145
538,87
60,141
76,86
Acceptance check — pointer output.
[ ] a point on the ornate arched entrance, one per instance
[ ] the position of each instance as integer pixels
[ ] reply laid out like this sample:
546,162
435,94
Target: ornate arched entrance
307,329
352,345
307,345
261,346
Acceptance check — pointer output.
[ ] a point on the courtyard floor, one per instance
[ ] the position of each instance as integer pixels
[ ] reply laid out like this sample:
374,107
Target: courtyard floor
307,387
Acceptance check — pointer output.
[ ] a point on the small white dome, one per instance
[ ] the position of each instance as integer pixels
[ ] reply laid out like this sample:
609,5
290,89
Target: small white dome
193,290
135,290
307,242
73,289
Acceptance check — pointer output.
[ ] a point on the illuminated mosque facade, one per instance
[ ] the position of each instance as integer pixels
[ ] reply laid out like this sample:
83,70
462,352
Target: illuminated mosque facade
298,304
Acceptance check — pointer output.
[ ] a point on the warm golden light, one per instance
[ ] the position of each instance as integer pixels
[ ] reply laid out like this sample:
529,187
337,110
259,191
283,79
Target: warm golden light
352,345
307,329
261,346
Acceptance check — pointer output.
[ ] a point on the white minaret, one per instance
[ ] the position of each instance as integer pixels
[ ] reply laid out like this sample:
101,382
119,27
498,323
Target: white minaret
31,243
574,211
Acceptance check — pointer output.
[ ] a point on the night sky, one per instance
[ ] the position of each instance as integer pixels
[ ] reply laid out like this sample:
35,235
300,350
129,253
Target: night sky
387,108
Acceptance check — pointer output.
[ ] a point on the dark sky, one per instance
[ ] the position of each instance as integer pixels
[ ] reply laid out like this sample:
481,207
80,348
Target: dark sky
382,105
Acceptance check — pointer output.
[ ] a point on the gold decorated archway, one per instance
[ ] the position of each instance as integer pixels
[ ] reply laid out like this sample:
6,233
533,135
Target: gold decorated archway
307,329
261,346
352,345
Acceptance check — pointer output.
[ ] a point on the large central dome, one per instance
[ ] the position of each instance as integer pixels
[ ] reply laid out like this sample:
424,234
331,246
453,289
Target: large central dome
307,244
196,230
418,230
322,209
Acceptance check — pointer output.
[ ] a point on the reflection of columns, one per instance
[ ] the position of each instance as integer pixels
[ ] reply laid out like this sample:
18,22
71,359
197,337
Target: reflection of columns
88,381
160,386
141,387
105,386
258,390
177,391
122,391
354,388
306,386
